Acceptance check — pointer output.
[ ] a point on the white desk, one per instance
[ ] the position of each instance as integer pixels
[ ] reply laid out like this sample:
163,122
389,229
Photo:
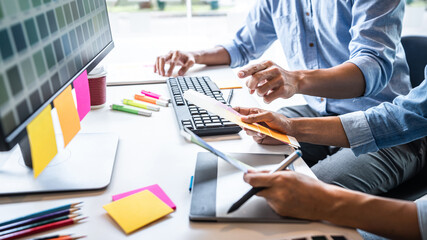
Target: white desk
151,151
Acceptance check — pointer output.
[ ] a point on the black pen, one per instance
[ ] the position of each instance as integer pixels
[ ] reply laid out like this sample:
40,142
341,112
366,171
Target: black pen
283,165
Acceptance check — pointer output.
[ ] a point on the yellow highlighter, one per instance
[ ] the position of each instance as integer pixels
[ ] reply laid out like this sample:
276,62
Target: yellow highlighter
140,105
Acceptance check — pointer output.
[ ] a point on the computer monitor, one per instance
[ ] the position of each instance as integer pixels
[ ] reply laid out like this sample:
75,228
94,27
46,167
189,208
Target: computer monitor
44,46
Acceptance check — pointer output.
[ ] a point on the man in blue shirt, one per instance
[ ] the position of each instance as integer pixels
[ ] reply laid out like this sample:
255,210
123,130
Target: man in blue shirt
389,124
347,53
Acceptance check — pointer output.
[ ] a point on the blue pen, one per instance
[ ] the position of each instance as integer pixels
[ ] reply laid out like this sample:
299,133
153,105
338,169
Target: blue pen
191,184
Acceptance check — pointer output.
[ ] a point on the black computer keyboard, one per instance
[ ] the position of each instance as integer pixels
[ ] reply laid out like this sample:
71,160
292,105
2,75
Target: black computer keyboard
198,120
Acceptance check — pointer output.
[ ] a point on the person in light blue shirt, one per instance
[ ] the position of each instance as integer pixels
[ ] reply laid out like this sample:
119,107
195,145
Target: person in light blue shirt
389,124
344,55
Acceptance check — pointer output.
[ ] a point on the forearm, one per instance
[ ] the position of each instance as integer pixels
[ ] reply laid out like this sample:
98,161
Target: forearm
323,131
394,219
214,56
343,81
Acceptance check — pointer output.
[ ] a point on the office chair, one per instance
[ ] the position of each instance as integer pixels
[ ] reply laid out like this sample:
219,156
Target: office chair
416,55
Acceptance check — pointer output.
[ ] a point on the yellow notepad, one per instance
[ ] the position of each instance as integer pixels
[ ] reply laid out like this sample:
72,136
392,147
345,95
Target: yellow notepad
137,210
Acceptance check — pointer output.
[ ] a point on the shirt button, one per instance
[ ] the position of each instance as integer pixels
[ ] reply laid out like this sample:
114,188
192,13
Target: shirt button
322,99
311,44
307,13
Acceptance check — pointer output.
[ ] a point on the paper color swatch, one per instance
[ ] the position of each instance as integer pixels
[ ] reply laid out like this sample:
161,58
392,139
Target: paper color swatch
137,210
42,140
228,83
67,114
155,189
228,113
81,86
190,136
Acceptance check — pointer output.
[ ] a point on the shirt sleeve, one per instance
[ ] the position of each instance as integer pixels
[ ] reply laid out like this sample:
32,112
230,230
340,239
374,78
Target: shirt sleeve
254,38
358,133
388,124
422,217
375,32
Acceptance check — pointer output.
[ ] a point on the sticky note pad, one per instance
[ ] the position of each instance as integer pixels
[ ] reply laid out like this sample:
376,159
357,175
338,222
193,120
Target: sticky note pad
81,86
42,140
155,189
137,210
67,114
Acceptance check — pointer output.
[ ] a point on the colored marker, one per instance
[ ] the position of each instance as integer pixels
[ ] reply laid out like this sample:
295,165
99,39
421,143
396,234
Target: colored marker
130,110
144,98
191,183
155,95
140,105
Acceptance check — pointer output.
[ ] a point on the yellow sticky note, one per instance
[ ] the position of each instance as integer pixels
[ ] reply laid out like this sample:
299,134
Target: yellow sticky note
67,114
42,140
228,84
137,210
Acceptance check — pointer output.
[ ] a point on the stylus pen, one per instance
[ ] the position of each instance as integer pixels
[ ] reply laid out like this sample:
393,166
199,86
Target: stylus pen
230,96
283,165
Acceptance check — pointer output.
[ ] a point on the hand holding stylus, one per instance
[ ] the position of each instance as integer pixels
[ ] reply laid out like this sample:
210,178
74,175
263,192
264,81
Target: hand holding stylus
282,166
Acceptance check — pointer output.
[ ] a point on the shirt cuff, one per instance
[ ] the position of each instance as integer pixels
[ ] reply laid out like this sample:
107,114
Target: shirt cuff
358,133
374,80
422,217
234,53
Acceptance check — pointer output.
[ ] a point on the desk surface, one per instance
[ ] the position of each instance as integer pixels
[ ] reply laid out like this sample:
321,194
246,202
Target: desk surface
151,151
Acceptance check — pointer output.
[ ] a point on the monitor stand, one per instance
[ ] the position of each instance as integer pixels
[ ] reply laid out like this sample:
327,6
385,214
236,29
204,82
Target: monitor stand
85,164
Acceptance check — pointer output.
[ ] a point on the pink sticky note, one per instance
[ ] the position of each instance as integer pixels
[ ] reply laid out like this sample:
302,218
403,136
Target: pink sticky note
155,189
81,86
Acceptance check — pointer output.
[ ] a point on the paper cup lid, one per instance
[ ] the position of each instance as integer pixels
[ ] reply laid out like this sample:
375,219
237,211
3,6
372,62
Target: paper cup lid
97,72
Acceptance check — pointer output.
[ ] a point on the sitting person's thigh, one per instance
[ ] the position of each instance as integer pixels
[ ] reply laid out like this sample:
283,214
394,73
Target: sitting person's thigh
375,172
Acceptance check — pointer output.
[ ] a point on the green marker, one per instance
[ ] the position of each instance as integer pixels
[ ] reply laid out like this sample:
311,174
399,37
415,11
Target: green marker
140,105
130,110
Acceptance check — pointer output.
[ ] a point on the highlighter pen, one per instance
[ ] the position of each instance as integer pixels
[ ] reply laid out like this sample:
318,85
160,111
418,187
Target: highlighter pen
283,165
130,110
140,105
144,98
155,95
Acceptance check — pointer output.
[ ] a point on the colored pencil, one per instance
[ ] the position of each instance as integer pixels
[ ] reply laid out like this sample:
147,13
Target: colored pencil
36,224
67,238
42,228
37,214
39,219
50,237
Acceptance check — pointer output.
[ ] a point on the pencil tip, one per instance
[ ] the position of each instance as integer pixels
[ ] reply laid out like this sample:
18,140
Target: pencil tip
80,219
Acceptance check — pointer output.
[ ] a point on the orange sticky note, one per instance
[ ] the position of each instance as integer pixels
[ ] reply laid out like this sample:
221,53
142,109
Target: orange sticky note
67,114
42,140
137,210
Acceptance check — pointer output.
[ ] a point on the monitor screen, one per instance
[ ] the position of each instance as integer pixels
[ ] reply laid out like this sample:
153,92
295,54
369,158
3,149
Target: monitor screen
44,46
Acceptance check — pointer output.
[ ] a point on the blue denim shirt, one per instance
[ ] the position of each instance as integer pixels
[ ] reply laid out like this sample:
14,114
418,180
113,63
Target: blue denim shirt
391,124
318,34
388,124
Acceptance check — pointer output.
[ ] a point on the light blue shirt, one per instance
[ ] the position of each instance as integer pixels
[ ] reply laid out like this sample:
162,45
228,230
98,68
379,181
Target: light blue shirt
388,124
318,34
391,124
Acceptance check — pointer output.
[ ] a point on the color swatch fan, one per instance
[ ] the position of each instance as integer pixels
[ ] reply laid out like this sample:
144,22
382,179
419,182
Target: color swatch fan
228,113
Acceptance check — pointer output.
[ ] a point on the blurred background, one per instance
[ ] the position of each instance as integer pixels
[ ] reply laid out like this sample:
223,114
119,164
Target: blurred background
145,29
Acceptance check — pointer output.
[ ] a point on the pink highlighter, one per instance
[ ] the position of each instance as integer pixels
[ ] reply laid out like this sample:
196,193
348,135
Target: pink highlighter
155,95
